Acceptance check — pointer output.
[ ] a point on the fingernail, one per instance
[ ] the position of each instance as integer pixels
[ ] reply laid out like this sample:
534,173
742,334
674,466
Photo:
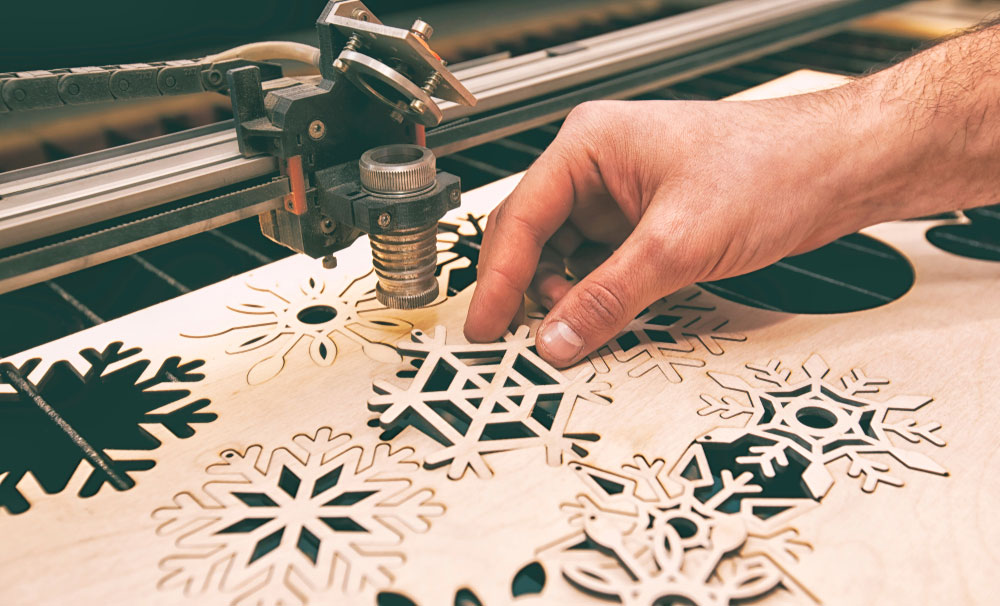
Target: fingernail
560,342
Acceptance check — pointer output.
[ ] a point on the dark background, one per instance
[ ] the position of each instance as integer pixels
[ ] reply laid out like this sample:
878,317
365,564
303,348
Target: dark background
35,34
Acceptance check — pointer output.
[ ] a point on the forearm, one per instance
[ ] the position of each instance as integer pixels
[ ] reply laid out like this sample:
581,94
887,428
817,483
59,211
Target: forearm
929,130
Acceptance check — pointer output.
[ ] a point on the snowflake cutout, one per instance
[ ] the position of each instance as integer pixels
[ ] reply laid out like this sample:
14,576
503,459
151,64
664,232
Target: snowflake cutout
458,253
296,525
690,536
312,312
72,424
816,422
484,398
674,333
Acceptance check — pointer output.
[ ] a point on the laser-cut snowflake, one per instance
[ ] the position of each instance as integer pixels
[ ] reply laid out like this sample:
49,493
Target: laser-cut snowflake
485,398
817,422
93,410
458,253
692,536
276,314
674,333
297,525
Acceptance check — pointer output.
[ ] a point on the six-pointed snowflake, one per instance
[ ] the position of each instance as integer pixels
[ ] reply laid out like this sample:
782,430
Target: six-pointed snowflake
484,398
673,333
697,535
66,423
275,317
296,525
816,422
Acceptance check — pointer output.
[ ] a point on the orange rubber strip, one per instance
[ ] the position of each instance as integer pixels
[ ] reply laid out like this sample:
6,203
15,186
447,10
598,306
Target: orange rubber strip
295,202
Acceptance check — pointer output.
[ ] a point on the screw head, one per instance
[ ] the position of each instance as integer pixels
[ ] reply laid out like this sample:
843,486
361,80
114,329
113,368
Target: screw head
170,81
73,89
317,130
384,220
454,195
418,106
327,226
422,29
361,14
214,77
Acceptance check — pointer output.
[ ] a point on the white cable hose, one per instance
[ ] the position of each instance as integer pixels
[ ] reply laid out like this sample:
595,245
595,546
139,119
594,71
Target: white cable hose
269,51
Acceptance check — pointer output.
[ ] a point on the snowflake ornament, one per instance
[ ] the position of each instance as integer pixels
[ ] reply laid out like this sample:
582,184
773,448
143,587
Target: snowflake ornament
458,253
696,535
275,318
674,333
72,424
300,524
816,422
484,398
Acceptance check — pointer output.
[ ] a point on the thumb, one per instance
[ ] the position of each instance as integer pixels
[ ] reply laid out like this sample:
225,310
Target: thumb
601,304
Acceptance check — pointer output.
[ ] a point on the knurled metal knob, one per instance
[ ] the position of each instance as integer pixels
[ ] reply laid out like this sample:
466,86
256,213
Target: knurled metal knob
398,170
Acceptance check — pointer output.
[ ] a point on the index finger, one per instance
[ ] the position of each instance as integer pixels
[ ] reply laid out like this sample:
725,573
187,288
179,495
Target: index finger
515,234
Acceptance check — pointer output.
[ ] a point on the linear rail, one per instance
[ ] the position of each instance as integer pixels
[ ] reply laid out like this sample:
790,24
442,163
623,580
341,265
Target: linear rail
50,199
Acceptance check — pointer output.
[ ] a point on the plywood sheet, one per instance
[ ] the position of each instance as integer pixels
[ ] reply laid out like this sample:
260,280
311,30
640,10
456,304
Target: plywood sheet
279,438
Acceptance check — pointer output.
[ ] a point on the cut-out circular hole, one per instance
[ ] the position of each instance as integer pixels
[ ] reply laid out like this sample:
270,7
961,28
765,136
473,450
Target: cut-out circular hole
815,417
316,314
854,273
684,527
970,240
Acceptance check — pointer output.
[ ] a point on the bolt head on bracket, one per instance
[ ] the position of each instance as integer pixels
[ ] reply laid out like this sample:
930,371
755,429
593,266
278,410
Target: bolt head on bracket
389,63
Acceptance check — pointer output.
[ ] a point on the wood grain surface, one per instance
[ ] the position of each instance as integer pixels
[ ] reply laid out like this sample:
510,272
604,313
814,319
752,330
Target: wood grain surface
267,444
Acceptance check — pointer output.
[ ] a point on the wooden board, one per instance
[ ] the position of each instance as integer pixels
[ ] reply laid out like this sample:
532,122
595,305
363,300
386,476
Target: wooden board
260,442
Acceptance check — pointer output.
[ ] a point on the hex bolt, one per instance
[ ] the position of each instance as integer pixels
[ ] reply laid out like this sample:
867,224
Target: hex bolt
317,130
329,262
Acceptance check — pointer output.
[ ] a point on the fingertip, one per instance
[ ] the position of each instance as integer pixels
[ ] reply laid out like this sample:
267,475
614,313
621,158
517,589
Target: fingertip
559,344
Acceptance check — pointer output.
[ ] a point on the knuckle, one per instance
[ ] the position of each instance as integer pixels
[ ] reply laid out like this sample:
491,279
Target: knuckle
598,304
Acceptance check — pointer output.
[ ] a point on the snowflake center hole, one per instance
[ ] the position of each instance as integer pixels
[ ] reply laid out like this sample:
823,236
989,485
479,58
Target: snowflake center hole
685,528
815,417
316,314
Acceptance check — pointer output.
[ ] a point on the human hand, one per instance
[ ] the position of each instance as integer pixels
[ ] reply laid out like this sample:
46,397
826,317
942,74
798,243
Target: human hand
641,198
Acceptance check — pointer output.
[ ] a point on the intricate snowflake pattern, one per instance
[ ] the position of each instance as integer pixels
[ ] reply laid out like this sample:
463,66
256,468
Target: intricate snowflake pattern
673,333
816,422
316,519
275,318
458,253
73,423
691,536
485,398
